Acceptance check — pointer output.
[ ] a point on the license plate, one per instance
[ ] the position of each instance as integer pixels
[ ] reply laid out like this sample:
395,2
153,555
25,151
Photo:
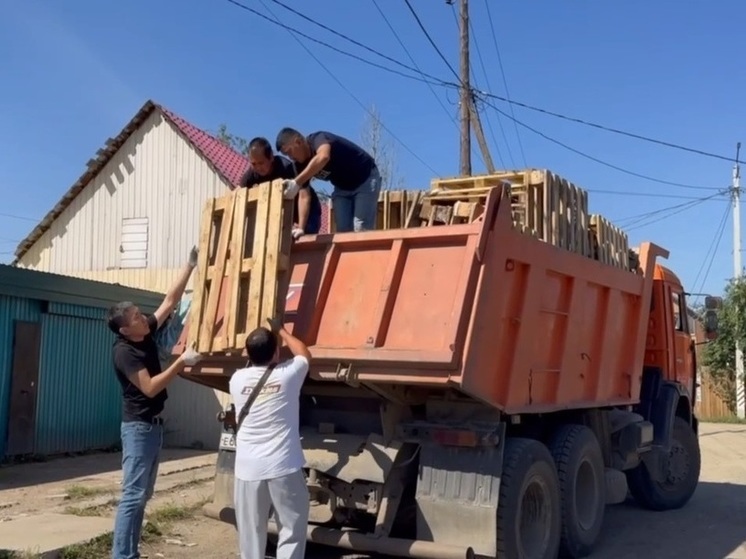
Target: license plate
227,442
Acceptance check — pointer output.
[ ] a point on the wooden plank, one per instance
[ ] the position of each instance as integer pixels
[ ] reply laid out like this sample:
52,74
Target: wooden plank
253,316
200,278
272,255
206,335
235,266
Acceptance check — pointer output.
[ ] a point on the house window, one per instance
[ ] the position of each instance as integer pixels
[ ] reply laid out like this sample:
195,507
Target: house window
133,250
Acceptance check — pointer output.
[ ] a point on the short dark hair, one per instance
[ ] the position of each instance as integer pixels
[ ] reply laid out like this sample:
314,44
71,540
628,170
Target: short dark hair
261,345
263,144
117,317
286,135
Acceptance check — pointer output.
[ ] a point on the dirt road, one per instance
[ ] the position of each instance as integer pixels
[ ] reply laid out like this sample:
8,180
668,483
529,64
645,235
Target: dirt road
712,526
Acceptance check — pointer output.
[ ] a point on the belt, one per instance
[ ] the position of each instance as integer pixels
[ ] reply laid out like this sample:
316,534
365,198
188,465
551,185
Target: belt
157,420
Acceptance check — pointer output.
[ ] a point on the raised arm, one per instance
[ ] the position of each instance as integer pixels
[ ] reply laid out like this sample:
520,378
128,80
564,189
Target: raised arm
317,162
177,289
138,375
296,347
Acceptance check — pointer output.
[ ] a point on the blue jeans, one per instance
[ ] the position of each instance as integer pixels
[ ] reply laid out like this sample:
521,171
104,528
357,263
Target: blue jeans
356,210
141,445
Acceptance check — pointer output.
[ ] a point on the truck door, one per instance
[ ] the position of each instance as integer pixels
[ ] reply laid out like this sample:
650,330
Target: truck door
683,344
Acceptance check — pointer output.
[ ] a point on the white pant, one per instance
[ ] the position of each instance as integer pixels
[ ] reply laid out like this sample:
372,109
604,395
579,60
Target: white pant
288,496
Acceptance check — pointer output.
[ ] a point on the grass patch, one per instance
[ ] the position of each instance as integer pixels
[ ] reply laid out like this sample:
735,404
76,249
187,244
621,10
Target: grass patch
78,492
7,554
97,548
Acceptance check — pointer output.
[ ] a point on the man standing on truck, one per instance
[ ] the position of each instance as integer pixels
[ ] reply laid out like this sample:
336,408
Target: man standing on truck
265,167
269,457
351,170
138,369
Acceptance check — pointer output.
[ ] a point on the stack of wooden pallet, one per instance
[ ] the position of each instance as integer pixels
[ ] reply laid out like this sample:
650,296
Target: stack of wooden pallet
544,205
244,253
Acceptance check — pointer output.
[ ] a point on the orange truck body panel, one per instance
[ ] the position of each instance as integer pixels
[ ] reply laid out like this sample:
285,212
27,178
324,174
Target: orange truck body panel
501,316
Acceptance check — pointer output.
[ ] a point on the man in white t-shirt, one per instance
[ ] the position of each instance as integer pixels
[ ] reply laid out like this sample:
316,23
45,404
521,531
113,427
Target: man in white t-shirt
269,456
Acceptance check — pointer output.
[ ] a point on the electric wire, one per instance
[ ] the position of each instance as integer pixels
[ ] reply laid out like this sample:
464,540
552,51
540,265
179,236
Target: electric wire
712,251
335,78
430,39
633,219
666,213
505,81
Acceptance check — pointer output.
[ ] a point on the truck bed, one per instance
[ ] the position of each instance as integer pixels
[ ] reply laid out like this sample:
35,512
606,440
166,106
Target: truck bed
482,308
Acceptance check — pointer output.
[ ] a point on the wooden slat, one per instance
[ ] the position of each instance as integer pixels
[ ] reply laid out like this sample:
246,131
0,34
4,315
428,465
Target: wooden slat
236,265
209,319
200,277
272,254
253,316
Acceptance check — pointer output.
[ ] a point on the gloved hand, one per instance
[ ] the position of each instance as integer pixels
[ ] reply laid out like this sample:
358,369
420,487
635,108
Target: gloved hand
193,257
297,233
190,357
276,324
291,188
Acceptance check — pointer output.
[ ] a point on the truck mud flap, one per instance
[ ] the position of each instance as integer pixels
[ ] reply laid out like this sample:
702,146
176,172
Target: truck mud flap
457,495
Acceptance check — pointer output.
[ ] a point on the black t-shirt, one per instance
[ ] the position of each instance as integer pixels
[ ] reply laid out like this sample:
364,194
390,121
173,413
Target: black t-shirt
349,165
130,357
283,168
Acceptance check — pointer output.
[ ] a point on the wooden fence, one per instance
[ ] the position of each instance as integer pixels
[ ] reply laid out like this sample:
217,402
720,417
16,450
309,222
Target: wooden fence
709,404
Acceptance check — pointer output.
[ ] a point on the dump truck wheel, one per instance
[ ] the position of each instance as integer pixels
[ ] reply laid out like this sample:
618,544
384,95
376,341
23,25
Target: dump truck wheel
683,468
580,470
528,513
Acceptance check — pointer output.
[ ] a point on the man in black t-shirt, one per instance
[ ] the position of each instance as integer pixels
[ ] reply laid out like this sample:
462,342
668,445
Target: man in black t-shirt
266,166
350,169
138,370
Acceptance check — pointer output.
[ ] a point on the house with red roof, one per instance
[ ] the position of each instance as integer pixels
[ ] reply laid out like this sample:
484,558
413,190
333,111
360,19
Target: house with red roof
131,218
134,213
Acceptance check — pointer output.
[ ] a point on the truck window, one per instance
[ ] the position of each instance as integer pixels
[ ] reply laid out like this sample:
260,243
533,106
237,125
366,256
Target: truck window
679,318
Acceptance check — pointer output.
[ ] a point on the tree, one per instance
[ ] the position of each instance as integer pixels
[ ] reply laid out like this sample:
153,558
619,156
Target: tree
719,355
241,145
382,151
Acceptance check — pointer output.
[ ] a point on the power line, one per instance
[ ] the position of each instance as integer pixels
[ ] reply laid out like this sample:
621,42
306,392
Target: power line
411,58
333,76
12,216
649,220
633,219
502,71
644,194
430,39
597,160
712,251
291,29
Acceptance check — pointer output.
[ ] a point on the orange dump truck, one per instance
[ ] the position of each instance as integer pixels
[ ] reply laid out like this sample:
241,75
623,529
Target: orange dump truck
476,392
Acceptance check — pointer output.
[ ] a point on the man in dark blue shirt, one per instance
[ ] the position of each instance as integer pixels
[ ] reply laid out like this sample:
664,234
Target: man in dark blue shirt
350,169
265,167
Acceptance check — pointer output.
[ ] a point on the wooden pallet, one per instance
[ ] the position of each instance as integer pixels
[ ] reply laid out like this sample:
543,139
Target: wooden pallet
544,204
611,244
243,254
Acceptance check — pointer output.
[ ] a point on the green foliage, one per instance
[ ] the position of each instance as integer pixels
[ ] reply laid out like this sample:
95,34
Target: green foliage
241,145
719,355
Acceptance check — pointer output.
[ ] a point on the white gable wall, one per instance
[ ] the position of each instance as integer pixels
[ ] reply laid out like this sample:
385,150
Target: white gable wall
157,180
146,203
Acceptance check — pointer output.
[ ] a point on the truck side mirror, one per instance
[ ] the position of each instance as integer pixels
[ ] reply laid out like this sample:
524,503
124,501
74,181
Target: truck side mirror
710,321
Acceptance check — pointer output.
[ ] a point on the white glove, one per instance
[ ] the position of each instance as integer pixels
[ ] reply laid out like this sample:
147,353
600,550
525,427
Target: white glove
297,233
193,256
190,357
291,189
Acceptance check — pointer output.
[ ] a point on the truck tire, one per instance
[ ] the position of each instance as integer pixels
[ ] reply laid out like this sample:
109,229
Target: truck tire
528,512
582,483
684,463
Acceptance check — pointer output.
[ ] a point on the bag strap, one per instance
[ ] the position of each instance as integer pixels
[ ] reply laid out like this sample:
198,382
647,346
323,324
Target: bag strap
254,393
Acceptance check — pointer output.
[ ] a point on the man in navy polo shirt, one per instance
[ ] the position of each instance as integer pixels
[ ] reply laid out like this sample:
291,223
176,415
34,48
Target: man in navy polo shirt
265,167
351,170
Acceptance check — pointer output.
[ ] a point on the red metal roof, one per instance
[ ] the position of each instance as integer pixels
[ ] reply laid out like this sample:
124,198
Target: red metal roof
227,161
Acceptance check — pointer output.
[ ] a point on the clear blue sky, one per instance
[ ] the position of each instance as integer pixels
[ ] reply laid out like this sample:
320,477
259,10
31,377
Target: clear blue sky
75,72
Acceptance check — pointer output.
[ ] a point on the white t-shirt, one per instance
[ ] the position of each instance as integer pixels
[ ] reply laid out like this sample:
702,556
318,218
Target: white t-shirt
268,442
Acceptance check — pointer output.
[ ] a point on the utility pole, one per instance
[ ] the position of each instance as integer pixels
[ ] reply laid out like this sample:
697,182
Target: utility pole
465,104
738,273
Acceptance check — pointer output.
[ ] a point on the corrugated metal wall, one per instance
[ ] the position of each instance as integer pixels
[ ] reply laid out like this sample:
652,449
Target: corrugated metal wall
79,401
156,174
11,309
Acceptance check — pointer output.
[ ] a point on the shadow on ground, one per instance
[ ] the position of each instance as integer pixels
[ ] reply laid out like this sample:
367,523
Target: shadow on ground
66,468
